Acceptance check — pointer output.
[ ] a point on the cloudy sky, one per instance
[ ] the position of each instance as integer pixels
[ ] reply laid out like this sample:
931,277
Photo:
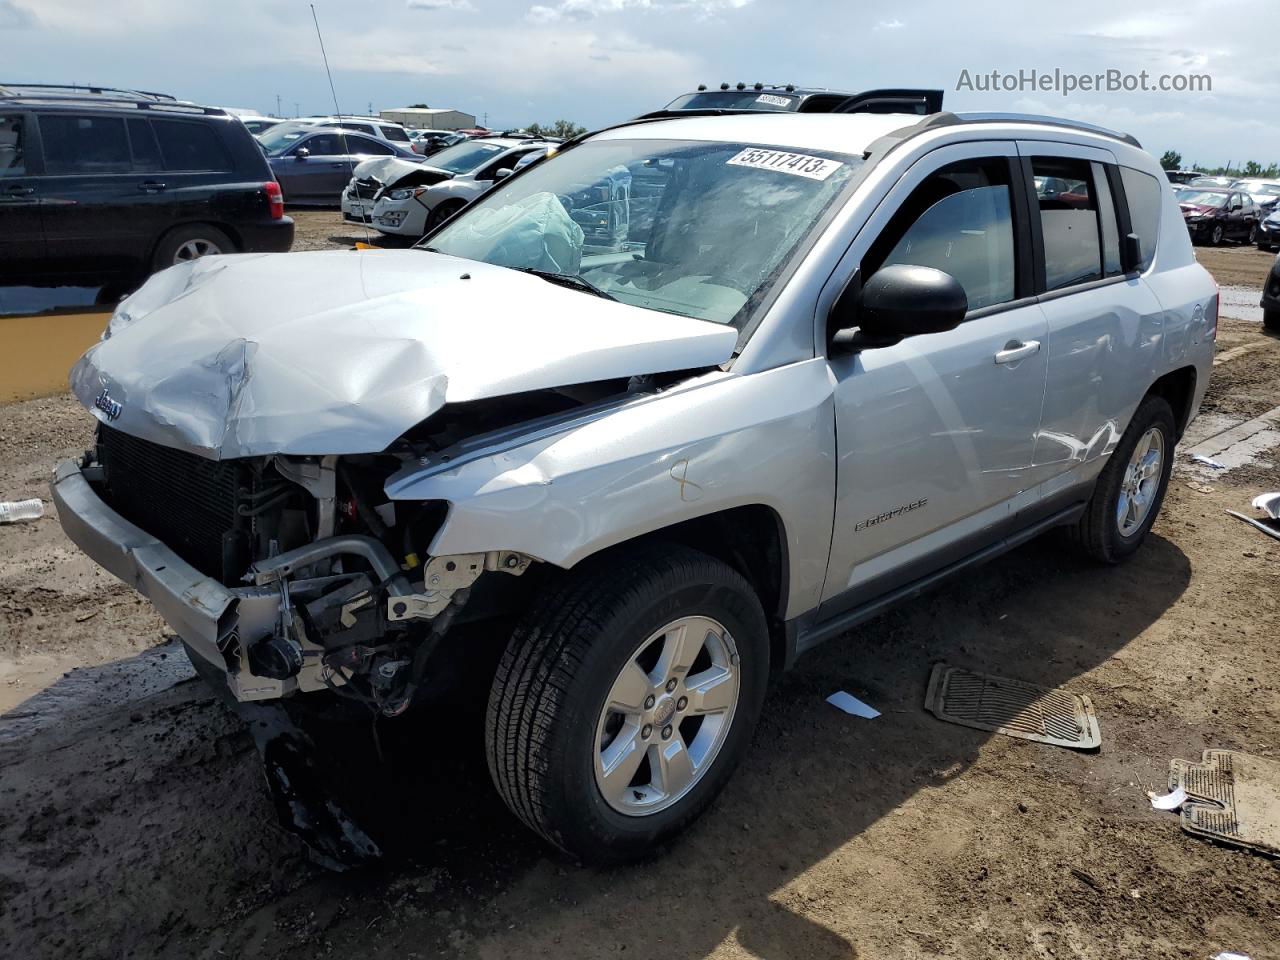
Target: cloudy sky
597,61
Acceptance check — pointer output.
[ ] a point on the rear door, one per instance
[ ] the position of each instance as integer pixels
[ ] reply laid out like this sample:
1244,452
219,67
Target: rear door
90,195
1102,320
186,164
22,243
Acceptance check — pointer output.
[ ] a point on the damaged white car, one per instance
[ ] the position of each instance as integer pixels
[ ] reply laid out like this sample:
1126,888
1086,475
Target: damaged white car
654,416
403,198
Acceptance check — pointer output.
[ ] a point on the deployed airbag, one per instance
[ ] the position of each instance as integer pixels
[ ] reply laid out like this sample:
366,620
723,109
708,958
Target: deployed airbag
534,233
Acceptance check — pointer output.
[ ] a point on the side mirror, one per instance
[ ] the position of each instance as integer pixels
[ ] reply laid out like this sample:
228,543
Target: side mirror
301,153
1131,252
902,300
503,173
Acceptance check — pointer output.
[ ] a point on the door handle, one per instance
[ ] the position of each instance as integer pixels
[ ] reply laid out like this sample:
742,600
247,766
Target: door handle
19,190
1016,350
151,186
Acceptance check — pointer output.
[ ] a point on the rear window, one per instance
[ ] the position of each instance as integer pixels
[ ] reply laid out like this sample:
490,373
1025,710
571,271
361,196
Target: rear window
190,146
395,133
84,145
1142,191
1069,221
12,159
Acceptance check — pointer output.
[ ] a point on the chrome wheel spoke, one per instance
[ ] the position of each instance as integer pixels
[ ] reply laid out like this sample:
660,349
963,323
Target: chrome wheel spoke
672,767
711,691
680,647
619,762
1141,482
630,690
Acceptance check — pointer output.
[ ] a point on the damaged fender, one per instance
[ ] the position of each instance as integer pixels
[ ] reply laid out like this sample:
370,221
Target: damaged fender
712,445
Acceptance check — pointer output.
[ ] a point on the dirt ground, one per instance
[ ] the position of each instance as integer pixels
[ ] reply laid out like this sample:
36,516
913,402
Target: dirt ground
134,821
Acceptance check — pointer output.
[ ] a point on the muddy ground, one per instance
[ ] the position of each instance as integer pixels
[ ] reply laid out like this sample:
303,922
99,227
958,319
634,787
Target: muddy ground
134,820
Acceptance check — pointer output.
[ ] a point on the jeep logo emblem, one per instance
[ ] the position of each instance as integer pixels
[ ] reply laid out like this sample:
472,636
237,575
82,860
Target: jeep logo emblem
112,408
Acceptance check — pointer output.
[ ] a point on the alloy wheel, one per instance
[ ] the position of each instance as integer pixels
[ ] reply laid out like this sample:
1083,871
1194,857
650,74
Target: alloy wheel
666,716
1141,482
194,249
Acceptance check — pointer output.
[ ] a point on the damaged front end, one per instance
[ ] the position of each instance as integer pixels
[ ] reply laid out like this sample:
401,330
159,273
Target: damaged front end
322,586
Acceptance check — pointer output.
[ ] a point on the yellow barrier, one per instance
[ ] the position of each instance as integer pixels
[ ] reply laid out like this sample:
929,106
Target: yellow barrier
39,351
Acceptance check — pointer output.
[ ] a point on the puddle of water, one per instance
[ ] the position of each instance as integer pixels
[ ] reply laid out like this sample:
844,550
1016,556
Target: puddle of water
24,300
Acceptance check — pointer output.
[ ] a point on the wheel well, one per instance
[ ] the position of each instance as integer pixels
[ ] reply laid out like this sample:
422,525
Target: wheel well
1178,388
752,540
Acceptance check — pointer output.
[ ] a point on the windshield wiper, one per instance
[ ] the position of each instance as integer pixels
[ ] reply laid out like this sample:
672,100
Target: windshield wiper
573,281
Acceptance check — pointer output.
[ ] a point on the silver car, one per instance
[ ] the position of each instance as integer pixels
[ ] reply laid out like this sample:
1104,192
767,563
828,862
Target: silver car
660,414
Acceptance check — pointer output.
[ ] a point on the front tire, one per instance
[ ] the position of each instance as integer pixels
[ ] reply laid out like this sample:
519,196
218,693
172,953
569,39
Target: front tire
625,700
1215,237
1130,490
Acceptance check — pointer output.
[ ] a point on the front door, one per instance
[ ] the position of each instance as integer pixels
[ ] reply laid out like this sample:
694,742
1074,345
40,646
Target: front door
935,435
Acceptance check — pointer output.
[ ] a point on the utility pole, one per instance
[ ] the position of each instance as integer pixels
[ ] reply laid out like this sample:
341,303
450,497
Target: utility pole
296,112
277,104
485,120
370,113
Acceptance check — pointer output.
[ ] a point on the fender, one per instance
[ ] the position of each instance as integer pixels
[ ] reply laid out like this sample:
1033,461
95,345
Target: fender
727,441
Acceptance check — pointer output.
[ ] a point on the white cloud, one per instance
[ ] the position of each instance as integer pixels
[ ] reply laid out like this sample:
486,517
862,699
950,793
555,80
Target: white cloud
464,5
894,24
589,9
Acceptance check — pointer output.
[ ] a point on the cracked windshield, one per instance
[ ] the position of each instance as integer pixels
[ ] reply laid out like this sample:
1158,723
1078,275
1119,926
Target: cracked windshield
698,229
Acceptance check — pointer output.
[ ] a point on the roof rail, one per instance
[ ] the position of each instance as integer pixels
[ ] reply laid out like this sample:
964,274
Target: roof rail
944,119
55,93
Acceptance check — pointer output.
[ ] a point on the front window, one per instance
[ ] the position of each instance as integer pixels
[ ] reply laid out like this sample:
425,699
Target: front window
697,229
465,157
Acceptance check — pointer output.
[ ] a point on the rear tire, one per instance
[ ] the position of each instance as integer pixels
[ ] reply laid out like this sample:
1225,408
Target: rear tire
1253,234
1113,527
190,242
1271,320
581,653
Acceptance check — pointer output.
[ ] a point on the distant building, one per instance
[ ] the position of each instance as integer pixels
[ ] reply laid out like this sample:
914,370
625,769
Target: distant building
429,118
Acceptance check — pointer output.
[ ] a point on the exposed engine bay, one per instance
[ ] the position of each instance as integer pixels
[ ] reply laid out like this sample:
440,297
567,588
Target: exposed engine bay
333,586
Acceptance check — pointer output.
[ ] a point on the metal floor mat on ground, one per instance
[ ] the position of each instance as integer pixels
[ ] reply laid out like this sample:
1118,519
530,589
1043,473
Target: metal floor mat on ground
1231,797
1012,707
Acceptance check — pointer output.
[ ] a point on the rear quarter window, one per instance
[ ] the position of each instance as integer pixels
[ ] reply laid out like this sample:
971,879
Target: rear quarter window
190,146
1142,192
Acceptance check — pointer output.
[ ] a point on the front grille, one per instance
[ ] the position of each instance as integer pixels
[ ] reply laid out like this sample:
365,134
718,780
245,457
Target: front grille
365,189
186,502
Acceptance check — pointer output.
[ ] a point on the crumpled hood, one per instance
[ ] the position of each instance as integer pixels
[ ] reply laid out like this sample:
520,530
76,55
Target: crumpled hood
389,171
340,352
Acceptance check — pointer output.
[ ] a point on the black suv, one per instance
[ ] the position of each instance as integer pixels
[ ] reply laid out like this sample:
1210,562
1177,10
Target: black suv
102,187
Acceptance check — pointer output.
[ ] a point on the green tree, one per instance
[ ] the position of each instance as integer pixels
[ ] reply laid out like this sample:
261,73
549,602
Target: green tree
1171,160
418,106
565,129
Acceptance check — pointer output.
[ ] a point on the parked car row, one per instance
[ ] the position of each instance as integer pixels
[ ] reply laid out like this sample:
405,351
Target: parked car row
1215,214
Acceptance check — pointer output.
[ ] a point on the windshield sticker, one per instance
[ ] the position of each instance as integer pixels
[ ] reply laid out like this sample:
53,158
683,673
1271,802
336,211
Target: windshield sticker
796,164
773,101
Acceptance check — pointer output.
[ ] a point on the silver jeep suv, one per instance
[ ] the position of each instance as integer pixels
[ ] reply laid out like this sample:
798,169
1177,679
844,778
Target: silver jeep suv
653,417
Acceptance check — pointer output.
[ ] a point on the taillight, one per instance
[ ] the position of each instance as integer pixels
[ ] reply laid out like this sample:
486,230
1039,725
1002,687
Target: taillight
1211,316
275,199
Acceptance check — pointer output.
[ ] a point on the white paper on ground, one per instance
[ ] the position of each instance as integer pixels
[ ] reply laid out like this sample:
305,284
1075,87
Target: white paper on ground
1228,955
1170,801
1208,461
851,704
